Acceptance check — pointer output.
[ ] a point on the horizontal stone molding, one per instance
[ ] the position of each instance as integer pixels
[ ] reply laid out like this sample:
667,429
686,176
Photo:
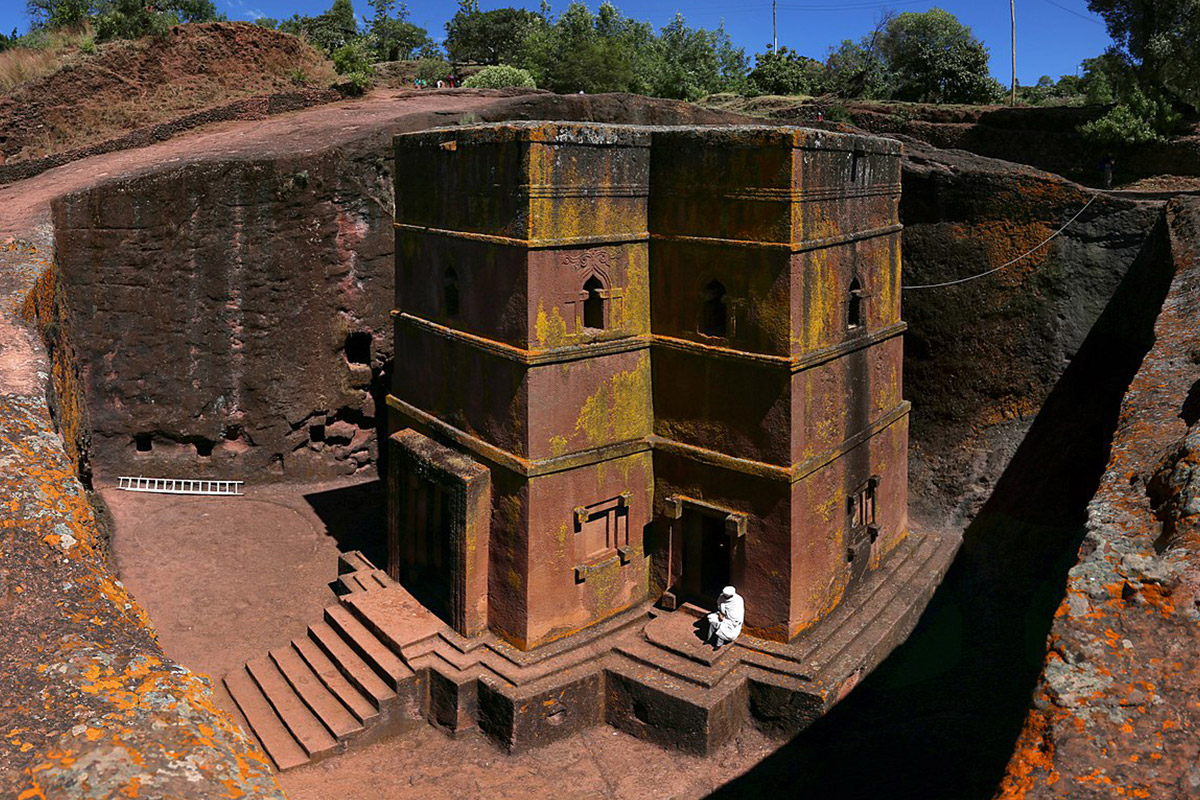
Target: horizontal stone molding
775,472
532,468
788,194
797,363
541,191
498,456
530,244
554,355
793,247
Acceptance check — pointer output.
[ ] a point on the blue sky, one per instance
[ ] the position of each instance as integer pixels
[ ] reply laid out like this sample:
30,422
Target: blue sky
1053,36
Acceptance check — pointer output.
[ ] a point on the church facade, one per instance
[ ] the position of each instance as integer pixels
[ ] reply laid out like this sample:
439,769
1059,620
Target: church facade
634,365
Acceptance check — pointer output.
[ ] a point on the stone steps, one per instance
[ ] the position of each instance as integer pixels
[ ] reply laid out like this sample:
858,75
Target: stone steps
311,698
650,654
274,736
885,617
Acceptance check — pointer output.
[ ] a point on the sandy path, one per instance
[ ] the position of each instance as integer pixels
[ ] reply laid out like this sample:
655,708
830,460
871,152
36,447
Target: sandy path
25,205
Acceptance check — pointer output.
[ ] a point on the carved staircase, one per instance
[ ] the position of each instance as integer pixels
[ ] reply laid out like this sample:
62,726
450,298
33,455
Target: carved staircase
379,662
307,700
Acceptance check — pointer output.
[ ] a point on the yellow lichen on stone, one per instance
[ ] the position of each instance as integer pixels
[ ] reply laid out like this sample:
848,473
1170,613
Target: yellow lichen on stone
620,409
551,329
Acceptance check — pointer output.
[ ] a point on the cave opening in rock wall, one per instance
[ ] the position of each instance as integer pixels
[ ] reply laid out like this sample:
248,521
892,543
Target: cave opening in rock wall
358,348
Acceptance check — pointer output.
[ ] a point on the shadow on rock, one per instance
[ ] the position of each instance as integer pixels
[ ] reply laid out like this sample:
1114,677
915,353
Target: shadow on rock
356,516
939,718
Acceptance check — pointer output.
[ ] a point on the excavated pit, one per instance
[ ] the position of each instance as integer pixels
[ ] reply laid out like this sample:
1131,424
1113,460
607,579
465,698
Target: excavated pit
278,371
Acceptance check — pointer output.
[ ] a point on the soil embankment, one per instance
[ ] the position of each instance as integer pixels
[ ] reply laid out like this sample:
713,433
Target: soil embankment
127,85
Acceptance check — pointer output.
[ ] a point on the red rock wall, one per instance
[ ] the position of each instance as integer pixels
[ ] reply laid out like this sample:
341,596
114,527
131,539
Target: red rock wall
981,358
1115,712
91,707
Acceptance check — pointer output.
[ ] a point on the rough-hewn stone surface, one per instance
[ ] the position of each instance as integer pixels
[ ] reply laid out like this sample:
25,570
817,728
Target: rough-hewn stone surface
1116,711
90,707
982,357
237,304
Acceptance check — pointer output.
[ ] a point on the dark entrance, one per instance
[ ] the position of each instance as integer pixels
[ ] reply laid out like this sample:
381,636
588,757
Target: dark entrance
706,554
424,554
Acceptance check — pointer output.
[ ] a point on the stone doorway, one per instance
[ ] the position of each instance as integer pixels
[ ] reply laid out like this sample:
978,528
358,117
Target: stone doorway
706,557
423,547
439,518
706,543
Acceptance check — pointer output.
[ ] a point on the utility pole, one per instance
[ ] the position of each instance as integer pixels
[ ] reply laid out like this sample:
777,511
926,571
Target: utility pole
774,30
1012,13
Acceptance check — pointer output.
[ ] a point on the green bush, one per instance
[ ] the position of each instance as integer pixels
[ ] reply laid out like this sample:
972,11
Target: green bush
838,113
87,45
500,77
432,70
351,58
357,82
1139,118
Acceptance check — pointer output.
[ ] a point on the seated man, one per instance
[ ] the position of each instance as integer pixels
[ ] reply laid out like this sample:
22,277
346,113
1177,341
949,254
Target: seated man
725,624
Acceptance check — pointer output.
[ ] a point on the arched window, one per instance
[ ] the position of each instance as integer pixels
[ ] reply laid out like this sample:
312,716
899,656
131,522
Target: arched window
593,304
854,314
450,293
714,318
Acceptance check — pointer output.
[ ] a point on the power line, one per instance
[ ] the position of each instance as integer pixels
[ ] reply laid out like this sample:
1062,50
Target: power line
1024,255
1092,20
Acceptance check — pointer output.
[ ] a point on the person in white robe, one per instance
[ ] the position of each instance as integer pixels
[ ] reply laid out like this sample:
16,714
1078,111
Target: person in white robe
725,624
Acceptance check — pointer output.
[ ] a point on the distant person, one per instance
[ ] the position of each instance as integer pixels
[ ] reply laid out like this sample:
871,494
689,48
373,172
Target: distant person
441,84
725,624
1106,169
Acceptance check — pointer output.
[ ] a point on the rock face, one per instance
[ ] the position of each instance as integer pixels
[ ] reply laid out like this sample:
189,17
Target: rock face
1115,712
980,358
232,316
91,707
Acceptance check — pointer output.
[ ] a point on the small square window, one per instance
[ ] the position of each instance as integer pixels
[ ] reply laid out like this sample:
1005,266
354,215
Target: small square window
601,528
861,506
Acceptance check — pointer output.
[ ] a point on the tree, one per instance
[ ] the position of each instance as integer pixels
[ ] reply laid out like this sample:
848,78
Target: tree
392,36
130,19
335,28
584,52
857,69
933,58
1161,39
60,13
1137,119
609,52
488,37
692,63
785,71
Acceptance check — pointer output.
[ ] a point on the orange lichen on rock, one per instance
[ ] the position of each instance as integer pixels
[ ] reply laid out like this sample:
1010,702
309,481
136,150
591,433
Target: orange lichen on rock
95,709
1116,694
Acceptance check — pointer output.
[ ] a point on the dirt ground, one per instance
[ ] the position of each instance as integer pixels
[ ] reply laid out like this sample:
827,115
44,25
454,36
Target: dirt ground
226,579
